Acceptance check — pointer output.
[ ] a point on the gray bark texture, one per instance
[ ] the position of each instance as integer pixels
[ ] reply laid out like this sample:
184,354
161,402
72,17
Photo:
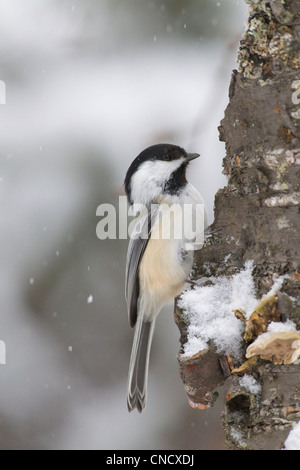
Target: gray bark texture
257,217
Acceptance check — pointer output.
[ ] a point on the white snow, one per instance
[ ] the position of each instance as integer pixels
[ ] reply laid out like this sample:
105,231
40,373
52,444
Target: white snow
250,384
277,285
243,290
279,327
210,312
293,440
90,102
237,436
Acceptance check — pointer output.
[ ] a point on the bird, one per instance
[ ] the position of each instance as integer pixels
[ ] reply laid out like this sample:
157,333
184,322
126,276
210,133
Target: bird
157,267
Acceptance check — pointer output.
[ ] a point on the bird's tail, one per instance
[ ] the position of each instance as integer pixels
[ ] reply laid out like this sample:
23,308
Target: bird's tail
139,364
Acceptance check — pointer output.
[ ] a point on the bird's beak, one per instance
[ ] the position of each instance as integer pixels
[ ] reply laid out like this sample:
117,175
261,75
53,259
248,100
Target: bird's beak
192,156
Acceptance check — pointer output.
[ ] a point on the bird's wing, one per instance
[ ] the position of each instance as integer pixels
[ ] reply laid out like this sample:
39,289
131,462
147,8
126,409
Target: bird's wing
137,244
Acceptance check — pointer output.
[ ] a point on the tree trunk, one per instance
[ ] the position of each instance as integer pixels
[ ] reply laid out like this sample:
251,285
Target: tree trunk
257,217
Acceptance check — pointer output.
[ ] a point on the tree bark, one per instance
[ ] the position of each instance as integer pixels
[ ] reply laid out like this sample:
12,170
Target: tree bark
257,217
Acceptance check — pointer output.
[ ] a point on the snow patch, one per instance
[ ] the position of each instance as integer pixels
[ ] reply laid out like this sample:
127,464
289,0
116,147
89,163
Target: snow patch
293,440
210,312
237,436
250,384
277,285
276,327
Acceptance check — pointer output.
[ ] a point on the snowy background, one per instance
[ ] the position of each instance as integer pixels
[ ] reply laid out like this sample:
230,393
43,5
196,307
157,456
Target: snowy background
89,85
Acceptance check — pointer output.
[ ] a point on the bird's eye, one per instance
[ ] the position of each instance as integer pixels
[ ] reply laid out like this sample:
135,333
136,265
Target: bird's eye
167,157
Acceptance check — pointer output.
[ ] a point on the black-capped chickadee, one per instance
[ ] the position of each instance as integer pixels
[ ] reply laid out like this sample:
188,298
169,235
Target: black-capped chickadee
157,267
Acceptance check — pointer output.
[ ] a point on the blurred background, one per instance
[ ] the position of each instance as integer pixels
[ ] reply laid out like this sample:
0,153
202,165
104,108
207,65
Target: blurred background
90,83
